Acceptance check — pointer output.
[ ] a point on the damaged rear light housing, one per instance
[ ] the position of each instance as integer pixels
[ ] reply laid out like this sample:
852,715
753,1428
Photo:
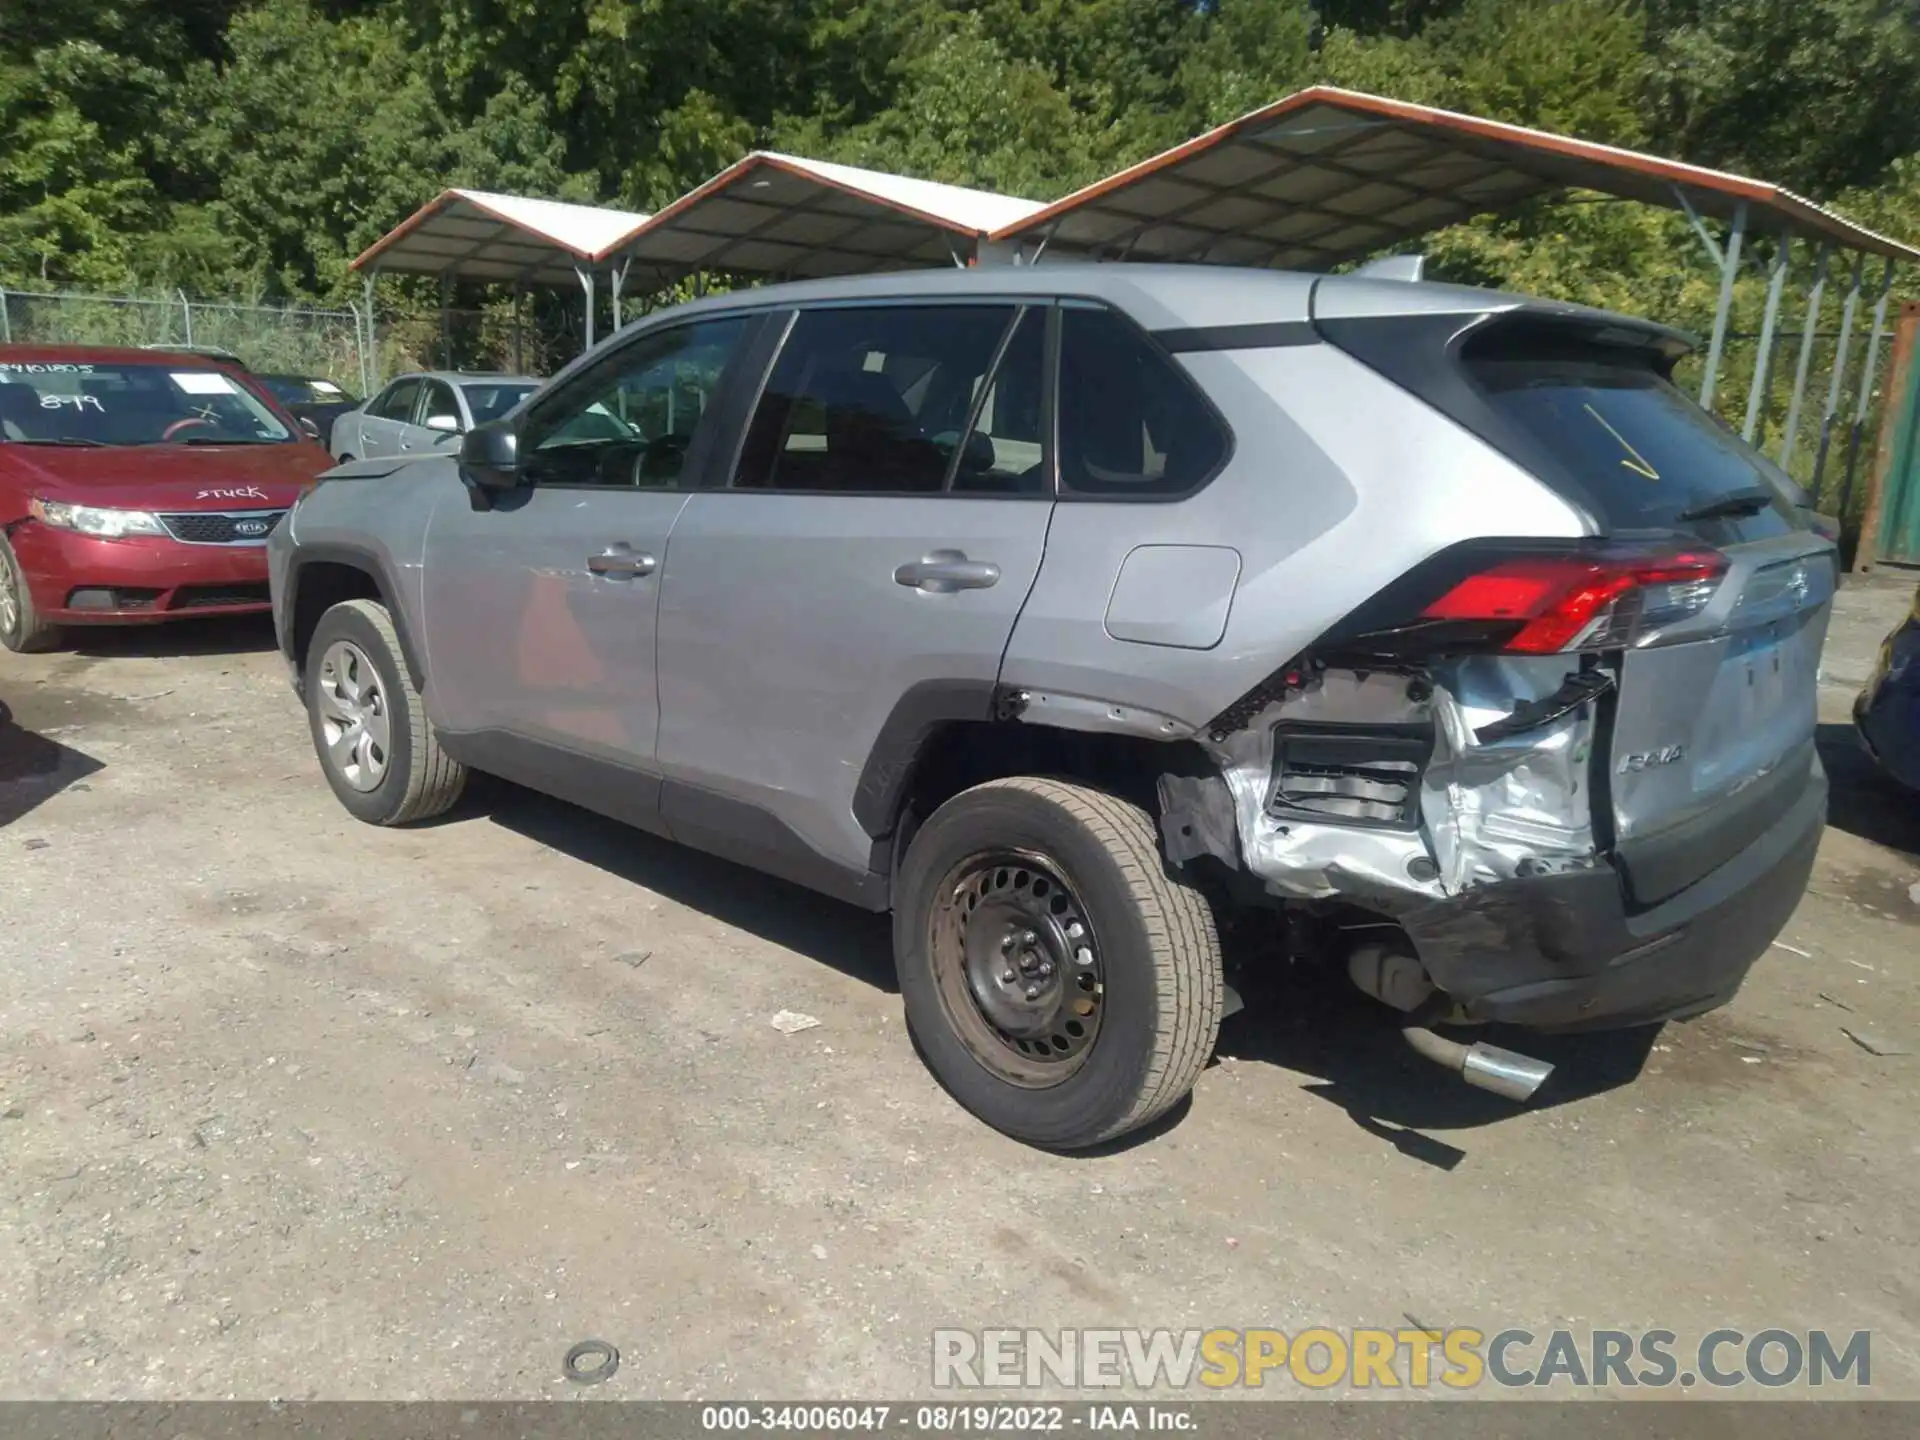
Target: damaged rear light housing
1545,604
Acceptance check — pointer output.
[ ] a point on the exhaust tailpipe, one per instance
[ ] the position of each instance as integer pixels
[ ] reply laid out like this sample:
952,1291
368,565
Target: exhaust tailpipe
1488,1067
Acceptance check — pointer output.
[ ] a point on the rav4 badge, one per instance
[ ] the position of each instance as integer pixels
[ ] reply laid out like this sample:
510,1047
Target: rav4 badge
1650,759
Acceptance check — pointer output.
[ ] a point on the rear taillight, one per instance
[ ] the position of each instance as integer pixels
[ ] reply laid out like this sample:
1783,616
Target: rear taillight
1543,604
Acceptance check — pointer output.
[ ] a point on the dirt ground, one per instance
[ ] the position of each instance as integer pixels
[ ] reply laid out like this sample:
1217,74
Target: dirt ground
295,1107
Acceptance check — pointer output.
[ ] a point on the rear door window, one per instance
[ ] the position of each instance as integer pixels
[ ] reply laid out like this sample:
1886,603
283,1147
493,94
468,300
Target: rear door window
399,401
1132,424
887,400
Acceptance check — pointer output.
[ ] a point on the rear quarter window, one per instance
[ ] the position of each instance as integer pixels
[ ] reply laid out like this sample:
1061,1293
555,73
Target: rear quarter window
1132,424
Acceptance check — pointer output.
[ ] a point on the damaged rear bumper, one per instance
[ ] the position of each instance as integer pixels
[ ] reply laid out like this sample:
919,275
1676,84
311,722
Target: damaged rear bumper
1561,952
1460,805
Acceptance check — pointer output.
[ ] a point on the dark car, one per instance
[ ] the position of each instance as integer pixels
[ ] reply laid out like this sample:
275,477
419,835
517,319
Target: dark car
1887,712
308,397
136,486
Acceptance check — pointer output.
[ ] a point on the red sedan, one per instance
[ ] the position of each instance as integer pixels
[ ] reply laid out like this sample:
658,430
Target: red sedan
137,486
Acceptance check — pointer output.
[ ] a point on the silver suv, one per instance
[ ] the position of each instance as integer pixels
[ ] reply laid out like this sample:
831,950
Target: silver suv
1066,611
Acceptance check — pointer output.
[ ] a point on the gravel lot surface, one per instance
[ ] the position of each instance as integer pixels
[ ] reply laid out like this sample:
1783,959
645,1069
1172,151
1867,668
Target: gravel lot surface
295,1107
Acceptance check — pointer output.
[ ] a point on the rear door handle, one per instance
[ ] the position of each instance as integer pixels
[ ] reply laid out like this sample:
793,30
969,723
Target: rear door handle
940,572
617,562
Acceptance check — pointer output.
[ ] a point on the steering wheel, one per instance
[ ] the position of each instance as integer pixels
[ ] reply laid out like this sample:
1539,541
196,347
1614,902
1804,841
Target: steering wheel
183,424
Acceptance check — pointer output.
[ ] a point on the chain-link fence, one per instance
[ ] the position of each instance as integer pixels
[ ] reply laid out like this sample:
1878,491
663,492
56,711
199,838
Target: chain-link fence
269,339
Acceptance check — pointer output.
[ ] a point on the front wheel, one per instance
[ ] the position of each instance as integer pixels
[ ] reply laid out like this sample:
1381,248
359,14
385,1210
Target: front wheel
21,628
1063,986
370,730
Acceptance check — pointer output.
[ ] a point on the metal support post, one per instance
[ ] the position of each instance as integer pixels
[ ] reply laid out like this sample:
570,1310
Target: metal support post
1801,370
586,288
373,335
519,357
1839,379
1865,401
1723,312
446,319
617,279
1763,359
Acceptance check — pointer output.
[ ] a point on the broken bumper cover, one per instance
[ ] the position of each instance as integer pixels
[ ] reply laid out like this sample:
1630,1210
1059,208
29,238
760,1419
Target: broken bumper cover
1562,952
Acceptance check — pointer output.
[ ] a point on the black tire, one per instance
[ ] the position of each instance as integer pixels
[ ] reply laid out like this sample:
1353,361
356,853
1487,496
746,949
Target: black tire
21,628
1157,960
415,779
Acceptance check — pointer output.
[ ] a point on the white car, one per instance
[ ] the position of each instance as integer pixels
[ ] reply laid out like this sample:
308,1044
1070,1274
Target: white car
421,412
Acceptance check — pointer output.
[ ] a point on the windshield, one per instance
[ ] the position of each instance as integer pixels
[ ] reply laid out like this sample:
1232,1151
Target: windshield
296,390
490,402
59,403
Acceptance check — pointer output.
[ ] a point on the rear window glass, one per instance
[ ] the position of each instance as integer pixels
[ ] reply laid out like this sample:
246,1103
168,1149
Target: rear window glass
1645,456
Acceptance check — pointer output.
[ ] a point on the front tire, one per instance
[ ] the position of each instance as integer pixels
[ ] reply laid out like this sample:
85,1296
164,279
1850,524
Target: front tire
370,730
1063,986
21,628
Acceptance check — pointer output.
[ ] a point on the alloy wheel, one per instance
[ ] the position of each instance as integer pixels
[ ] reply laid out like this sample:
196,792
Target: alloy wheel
9,596
355,723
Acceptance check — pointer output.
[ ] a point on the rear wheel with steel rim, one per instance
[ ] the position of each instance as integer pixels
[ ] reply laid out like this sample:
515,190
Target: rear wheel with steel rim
370,730
1062,984
1018,966
21,628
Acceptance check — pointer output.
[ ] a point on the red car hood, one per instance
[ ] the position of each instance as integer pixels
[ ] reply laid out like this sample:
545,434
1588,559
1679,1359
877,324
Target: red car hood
167,477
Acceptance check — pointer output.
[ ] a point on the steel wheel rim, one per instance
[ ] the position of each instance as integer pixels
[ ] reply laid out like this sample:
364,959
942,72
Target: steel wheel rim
9,596
355,724
1017,966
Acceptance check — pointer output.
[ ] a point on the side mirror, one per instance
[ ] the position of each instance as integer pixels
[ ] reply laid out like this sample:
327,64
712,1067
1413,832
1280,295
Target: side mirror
450,424
311,430
490,456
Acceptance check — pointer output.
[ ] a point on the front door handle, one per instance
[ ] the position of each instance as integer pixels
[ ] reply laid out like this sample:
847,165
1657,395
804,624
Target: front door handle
617,562
940,572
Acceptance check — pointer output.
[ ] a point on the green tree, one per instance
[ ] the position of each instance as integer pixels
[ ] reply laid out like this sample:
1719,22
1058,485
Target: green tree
1815,94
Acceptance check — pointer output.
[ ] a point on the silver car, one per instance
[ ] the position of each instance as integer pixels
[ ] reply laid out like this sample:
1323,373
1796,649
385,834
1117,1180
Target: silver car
422,412
1064,611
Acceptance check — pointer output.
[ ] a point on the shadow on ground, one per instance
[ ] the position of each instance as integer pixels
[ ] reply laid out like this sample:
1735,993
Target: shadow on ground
1865,800
1298,1018
1312,1022
34,768
853,941
215,635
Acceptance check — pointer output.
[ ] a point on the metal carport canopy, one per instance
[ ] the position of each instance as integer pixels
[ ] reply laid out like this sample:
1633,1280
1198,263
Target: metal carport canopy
1329,175
475,235
782,215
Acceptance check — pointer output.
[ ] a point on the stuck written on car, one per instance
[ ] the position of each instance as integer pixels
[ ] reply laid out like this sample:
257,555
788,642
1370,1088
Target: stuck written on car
1065,610
136,486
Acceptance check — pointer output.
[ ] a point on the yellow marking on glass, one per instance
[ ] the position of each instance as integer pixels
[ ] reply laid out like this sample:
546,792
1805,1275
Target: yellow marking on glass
1638,463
